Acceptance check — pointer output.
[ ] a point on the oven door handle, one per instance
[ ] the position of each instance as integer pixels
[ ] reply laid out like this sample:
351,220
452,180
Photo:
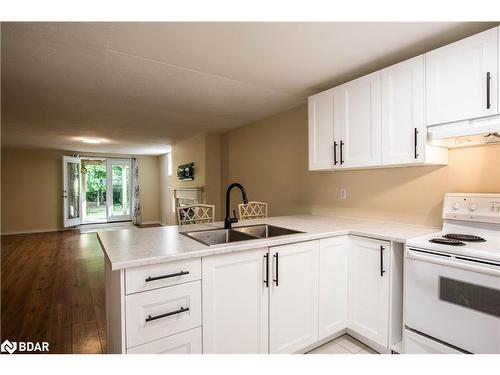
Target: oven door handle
452,262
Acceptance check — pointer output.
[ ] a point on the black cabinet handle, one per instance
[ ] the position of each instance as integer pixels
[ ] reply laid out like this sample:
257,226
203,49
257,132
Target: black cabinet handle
277,270
167,276
335,153
341,147
488,89
266,281
382,271
181,310
415,143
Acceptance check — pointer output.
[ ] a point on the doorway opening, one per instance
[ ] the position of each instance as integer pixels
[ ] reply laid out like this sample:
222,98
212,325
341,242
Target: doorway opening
97,190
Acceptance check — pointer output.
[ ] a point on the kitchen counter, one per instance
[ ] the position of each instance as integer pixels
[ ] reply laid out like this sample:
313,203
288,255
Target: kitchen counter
133,247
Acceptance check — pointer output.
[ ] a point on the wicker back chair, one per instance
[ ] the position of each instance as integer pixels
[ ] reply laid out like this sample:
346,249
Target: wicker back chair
195,214
252,210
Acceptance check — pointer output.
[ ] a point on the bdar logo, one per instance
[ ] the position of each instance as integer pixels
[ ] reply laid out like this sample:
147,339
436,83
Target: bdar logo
9,347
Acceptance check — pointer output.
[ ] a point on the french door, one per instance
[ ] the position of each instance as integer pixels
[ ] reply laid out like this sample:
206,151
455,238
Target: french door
119,189
72,191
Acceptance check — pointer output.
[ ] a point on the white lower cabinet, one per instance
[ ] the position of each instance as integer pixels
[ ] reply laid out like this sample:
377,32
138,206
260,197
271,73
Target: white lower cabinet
286,299
333,257
368,292
281,299
188,342
261,301
293,307
235,303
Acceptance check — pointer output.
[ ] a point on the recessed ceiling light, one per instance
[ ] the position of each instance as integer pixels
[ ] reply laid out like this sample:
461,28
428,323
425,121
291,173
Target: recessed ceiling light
91,140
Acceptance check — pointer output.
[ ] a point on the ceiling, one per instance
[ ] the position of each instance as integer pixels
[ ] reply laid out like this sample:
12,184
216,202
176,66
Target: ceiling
141,87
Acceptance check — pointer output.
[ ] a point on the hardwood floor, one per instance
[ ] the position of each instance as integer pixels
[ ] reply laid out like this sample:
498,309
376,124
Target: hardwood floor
53,290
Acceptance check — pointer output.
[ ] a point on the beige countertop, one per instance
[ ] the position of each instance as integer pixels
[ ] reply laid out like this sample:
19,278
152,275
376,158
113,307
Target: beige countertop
134,247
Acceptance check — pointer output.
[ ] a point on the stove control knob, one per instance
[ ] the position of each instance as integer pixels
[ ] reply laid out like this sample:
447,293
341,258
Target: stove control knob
456,206
473,207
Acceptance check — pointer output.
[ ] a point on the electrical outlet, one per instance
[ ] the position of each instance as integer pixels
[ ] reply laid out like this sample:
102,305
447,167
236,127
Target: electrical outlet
343,193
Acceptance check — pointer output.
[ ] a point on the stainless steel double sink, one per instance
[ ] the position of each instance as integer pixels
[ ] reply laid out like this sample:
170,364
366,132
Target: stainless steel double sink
250,232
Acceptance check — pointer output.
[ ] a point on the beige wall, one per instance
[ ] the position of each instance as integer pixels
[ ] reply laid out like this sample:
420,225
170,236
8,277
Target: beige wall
167,215
187,151
31,188
213,176
204,151
149,185
269,158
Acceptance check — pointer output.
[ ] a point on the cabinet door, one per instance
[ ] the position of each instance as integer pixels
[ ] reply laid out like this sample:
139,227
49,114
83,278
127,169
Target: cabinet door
332,285
235,303
456,79
403,125
357,121
293,319
320,112
368,298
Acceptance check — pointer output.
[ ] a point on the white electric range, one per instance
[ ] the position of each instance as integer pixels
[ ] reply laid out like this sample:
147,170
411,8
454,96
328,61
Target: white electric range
452,280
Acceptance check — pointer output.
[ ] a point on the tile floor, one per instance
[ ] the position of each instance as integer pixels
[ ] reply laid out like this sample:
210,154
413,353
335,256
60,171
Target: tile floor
343,345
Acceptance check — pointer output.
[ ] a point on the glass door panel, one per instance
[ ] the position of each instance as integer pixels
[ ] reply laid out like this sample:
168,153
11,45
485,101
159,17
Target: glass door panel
94,191
72,206
119,190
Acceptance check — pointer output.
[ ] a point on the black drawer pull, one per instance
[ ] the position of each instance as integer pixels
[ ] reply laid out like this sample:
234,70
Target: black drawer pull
382,271
415,143
341,147
488,89
277,270
335,153
181,310
266,281
182,273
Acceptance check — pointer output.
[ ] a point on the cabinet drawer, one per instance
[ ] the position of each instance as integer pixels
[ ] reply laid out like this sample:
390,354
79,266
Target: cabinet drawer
162,312
164,274
418,344
188,342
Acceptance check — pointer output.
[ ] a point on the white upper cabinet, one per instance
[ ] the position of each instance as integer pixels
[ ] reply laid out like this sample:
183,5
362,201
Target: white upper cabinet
357,122
403,130
382,119
461,79
320,111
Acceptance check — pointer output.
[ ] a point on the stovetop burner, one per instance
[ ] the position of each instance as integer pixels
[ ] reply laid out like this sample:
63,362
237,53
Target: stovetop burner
447,241
464,237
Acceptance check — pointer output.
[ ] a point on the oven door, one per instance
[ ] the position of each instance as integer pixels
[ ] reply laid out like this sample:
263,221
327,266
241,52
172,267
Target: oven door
453,299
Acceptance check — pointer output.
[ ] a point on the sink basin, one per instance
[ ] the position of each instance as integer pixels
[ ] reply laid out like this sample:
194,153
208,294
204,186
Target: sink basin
218,236
265,230
250,232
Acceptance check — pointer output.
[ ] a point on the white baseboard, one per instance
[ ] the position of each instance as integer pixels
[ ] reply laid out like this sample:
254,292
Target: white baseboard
372,344
322,341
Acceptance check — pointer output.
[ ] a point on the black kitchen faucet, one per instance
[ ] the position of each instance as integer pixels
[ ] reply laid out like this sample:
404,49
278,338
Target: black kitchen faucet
228,219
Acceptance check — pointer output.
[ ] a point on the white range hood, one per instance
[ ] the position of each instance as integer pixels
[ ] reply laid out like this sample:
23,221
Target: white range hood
465,133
